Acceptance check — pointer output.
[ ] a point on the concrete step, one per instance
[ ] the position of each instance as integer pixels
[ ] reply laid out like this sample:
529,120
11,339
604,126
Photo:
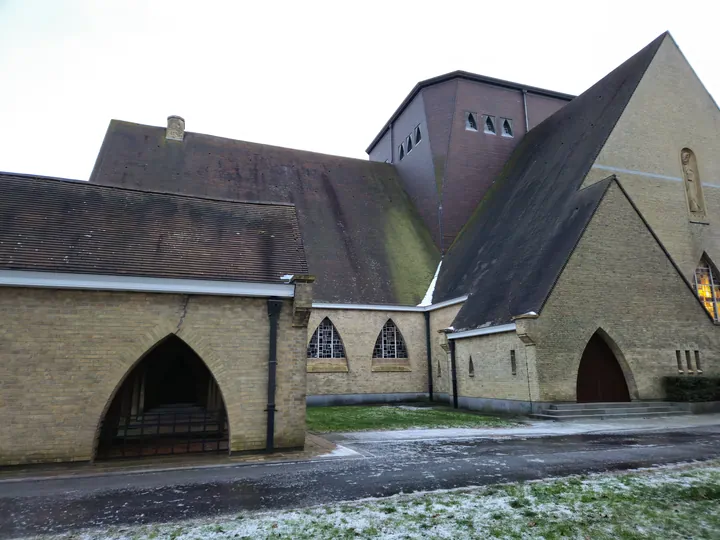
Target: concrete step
618,410
548,415
615,405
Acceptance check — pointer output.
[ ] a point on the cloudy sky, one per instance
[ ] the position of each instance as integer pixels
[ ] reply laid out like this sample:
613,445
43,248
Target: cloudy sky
321,76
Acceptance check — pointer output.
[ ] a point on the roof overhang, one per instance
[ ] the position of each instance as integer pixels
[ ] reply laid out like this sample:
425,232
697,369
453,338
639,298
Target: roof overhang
96,282
483,331
389,307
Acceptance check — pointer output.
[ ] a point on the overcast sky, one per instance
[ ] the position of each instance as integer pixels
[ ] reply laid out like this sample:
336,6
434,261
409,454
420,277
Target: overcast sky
319,76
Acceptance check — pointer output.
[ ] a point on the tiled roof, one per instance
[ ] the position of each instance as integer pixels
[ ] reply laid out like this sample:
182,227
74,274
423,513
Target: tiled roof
54,225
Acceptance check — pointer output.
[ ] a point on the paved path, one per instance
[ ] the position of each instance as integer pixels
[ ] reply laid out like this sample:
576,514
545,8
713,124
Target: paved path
367,469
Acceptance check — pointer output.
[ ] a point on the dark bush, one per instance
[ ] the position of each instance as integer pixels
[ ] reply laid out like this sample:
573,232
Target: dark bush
692,388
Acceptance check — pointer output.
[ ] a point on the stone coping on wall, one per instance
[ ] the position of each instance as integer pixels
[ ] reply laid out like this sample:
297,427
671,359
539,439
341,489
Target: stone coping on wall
327,365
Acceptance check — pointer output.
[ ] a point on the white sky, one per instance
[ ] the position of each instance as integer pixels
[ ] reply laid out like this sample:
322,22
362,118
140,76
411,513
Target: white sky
321,76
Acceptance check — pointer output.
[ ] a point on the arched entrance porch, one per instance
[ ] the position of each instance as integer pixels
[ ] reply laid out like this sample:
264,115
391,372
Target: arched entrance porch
600,376
169,403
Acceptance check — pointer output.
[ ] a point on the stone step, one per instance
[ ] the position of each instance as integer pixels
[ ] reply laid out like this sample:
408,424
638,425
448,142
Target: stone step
606,416
612,405
618,410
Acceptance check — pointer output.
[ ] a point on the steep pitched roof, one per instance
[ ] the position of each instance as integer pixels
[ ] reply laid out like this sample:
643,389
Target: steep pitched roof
53,225
364,240
512,250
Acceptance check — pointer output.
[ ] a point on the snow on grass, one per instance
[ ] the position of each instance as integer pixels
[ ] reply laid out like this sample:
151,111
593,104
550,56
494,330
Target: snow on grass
668,503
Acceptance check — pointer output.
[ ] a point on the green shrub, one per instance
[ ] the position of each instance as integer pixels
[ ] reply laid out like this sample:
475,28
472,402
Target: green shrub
692,388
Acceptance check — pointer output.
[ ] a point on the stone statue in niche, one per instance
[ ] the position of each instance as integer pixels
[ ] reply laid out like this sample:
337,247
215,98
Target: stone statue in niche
692,181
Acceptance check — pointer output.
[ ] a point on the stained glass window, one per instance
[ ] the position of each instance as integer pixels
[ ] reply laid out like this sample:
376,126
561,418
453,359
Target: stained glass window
707,287
326,342
390,343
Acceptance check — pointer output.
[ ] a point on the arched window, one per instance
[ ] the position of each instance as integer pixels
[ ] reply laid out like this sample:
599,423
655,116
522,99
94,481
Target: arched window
326,342
507,128
390,343
471,367
471,122
490,125
418,135
707,286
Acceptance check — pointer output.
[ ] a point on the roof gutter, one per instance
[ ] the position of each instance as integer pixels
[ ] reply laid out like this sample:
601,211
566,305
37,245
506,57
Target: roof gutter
483,331
390,307
96,282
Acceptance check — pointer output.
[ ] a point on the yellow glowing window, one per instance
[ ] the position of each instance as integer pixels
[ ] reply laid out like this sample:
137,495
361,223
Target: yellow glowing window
707,286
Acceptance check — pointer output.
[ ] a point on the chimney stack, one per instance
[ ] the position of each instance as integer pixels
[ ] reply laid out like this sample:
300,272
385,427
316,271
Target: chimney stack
175,128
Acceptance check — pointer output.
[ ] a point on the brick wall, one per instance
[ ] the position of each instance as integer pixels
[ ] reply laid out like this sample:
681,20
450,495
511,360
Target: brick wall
619,279
65,353
493,376
359,329
439,320
669,111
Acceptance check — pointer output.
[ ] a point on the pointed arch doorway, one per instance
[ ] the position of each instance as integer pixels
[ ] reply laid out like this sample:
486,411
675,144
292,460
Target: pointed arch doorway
600,376
169,403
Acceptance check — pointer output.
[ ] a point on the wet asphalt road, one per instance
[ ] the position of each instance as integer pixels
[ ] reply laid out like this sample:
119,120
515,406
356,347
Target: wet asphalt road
379,469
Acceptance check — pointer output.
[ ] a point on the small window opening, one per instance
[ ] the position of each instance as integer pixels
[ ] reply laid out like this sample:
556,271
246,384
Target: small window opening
513,362
679,362
698,367
439,369
471,368
418,135
401,152
490,125
409,143
507,128
688,362
471,122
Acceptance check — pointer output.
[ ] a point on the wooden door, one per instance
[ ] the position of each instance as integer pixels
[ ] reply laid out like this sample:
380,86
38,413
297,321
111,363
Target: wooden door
600,378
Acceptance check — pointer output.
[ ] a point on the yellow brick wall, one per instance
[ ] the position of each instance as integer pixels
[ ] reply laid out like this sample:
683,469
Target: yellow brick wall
493,374
65,353
359,329
618,279
439,320
669,111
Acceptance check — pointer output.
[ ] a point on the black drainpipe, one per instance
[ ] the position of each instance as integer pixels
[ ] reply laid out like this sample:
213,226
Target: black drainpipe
274,306
454,373
429,355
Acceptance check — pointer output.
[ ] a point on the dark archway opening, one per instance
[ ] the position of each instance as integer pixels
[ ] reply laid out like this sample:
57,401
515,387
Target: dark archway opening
600,377
168,404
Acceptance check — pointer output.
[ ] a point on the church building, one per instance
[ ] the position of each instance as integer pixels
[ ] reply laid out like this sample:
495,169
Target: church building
504,248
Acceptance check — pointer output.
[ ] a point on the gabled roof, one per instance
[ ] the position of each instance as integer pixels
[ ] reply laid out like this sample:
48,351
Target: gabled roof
364,240
466,75
512,250
52,225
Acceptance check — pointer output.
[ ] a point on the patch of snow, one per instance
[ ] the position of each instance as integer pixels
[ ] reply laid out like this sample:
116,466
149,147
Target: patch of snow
427,300
340,451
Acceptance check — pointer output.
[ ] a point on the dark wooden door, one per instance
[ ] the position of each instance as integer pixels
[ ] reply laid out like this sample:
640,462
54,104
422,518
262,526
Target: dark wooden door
600,377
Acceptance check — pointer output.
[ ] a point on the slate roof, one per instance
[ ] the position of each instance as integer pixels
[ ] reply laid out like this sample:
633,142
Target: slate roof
364,240
514,247
54,225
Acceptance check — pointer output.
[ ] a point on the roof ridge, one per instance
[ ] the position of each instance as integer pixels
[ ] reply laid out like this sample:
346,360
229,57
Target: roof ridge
243,141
